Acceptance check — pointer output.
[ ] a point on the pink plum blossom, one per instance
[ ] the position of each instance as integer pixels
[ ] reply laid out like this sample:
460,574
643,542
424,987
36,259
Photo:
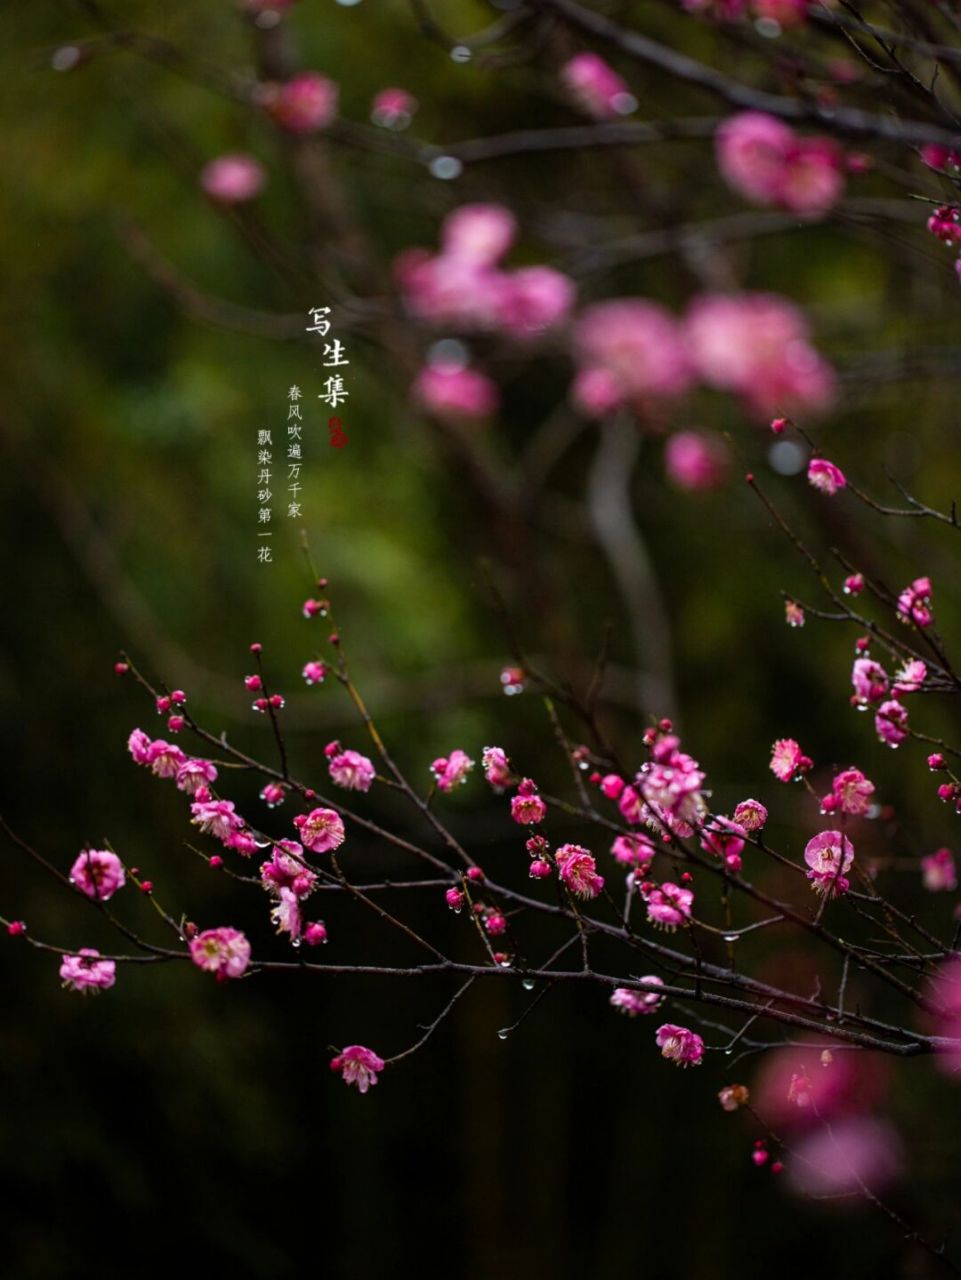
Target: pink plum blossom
671,787
286,870
233,179
497,768
479,233
273,794
138,744
164,759
788,761
841,1160
914,603
358,1066
454,393
938,872
679,1045
217,818
596,87
632,1002
634,850
851,793
762,159
316,933
98,873
304,104
910,676
451,771
224,952
697,461
527,807
632,353
751,815
825,476
87,973
669,905
321,830
786,13
870,680
286,914
193,774
891,723
533,299
577,868
757,346
631,805
314,672
351,770
725,839
829,855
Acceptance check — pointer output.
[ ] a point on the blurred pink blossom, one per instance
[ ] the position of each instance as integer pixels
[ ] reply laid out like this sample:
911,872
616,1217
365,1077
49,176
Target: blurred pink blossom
696,461
596,87
232,179
454,393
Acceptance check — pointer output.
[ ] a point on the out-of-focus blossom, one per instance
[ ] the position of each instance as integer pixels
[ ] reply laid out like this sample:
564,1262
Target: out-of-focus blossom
697,461
393,108
454,393
233,179
910,676
870,680
733,1096
497,768
763,159
914,603
938,872
304,104
596,87
852,1153
632,353
757,345
825,476
451,771
891,723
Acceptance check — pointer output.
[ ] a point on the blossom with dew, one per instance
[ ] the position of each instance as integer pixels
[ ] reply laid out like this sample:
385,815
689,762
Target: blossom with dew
870,680
224,952
286,914
495,923
321,830
793,614
733,1096
193,774
351,770
697,461
138,744
751,815
273,794
853,584
825,476
164,759
527,807
632,353
233,178
671,787
451,771
680,1045
577,868
938,872
829,855
596,87
891,723
358,1065
393,108
455,899
304,104
497,768
314,672
540,869
633,850
87,973
788,761
286,869
668,905
631,805
98,873
454,393
315,933
632,1002
612,785
914,603
757,345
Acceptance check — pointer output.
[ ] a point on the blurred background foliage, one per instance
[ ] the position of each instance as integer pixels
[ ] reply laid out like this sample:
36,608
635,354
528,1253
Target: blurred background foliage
177,1125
